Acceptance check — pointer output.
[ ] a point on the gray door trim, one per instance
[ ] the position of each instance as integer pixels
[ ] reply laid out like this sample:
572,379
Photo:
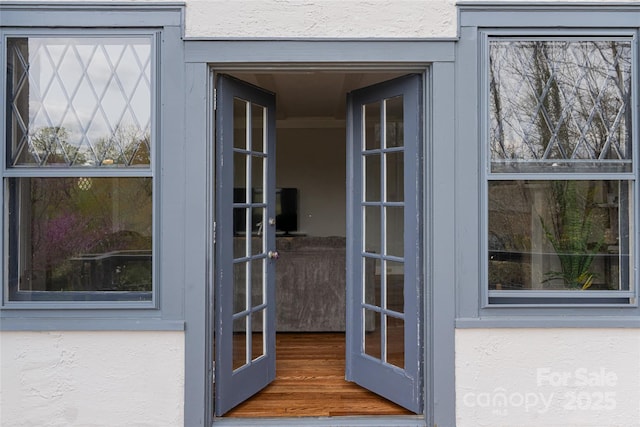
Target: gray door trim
438,182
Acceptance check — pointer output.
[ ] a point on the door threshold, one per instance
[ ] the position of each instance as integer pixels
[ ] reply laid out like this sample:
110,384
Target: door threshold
342,421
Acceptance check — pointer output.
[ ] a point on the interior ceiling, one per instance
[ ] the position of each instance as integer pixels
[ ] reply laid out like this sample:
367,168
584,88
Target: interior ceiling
315,94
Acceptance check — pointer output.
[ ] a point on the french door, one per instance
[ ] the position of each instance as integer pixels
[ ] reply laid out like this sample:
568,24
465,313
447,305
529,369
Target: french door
384,286
245,242
383,241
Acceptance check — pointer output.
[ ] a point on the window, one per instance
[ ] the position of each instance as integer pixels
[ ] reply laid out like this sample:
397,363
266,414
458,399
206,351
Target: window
561,175
78,175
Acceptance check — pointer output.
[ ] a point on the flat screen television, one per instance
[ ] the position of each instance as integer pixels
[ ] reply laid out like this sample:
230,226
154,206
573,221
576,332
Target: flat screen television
286,211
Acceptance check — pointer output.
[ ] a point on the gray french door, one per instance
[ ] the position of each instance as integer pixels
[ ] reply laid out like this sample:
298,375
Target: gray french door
245,242
384,287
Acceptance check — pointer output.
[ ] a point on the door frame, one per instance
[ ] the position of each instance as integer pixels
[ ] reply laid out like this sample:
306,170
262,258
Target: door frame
435,59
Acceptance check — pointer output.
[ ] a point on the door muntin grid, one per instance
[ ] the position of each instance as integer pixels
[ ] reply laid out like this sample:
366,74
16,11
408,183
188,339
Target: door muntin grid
382,210
80,101
250,245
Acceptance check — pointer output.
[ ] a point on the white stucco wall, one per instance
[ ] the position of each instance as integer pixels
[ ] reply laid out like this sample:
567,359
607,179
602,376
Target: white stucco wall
91,379
320,18
548,377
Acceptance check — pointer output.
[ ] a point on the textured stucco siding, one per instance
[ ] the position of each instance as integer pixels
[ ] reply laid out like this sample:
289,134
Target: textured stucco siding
548,377
91,379
320,18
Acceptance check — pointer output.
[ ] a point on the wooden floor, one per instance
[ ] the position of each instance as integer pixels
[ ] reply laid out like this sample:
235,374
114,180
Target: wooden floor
310,383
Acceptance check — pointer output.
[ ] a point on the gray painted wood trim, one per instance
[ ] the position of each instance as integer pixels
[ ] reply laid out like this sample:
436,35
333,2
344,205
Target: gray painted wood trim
167,309
348,53
548,15
98,14
513,19
557,321
440,249
198,222
60,324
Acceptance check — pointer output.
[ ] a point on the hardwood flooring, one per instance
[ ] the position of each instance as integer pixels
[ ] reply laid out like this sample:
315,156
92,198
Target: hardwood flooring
310,383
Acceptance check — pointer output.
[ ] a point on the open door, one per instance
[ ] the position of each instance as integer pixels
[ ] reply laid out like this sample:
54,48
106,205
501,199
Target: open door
245,242
384,228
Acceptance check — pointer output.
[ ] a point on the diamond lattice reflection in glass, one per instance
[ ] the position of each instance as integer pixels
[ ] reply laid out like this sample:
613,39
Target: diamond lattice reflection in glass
80,102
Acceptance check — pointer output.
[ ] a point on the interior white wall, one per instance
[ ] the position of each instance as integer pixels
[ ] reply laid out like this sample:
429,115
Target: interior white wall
314,162
548,377
91,379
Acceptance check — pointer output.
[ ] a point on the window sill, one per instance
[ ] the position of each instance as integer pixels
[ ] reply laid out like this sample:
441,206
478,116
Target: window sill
548,322
88,324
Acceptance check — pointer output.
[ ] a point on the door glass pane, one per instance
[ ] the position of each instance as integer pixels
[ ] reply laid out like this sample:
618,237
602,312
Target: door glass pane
372,126
258,344
394,163
395,230
258,230
395,286
240,287
257,178
372,229
372,178
239,342
371,280
395,341
372,334
257,127
240,178
240,124
240,233
394,122
257,282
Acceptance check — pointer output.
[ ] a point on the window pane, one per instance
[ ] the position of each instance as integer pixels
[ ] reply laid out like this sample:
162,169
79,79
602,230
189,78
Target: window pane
372,229
394,122
373,334
372,126
560,105
240,178
258,179
258,337
395,341
395,286
560,235
81,234
80,102
372,181
240,339
394,221
257,282
394,163
240,271
258,127
371,281
240,124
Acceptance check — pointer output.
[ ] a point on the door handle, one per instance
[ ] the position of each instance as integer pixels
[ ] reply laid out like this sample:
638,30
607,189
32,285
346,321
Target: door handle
274,255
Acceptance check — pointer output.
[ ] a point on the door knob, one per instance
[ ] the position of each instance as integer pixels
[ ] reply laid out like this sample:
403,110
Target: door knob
274,255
